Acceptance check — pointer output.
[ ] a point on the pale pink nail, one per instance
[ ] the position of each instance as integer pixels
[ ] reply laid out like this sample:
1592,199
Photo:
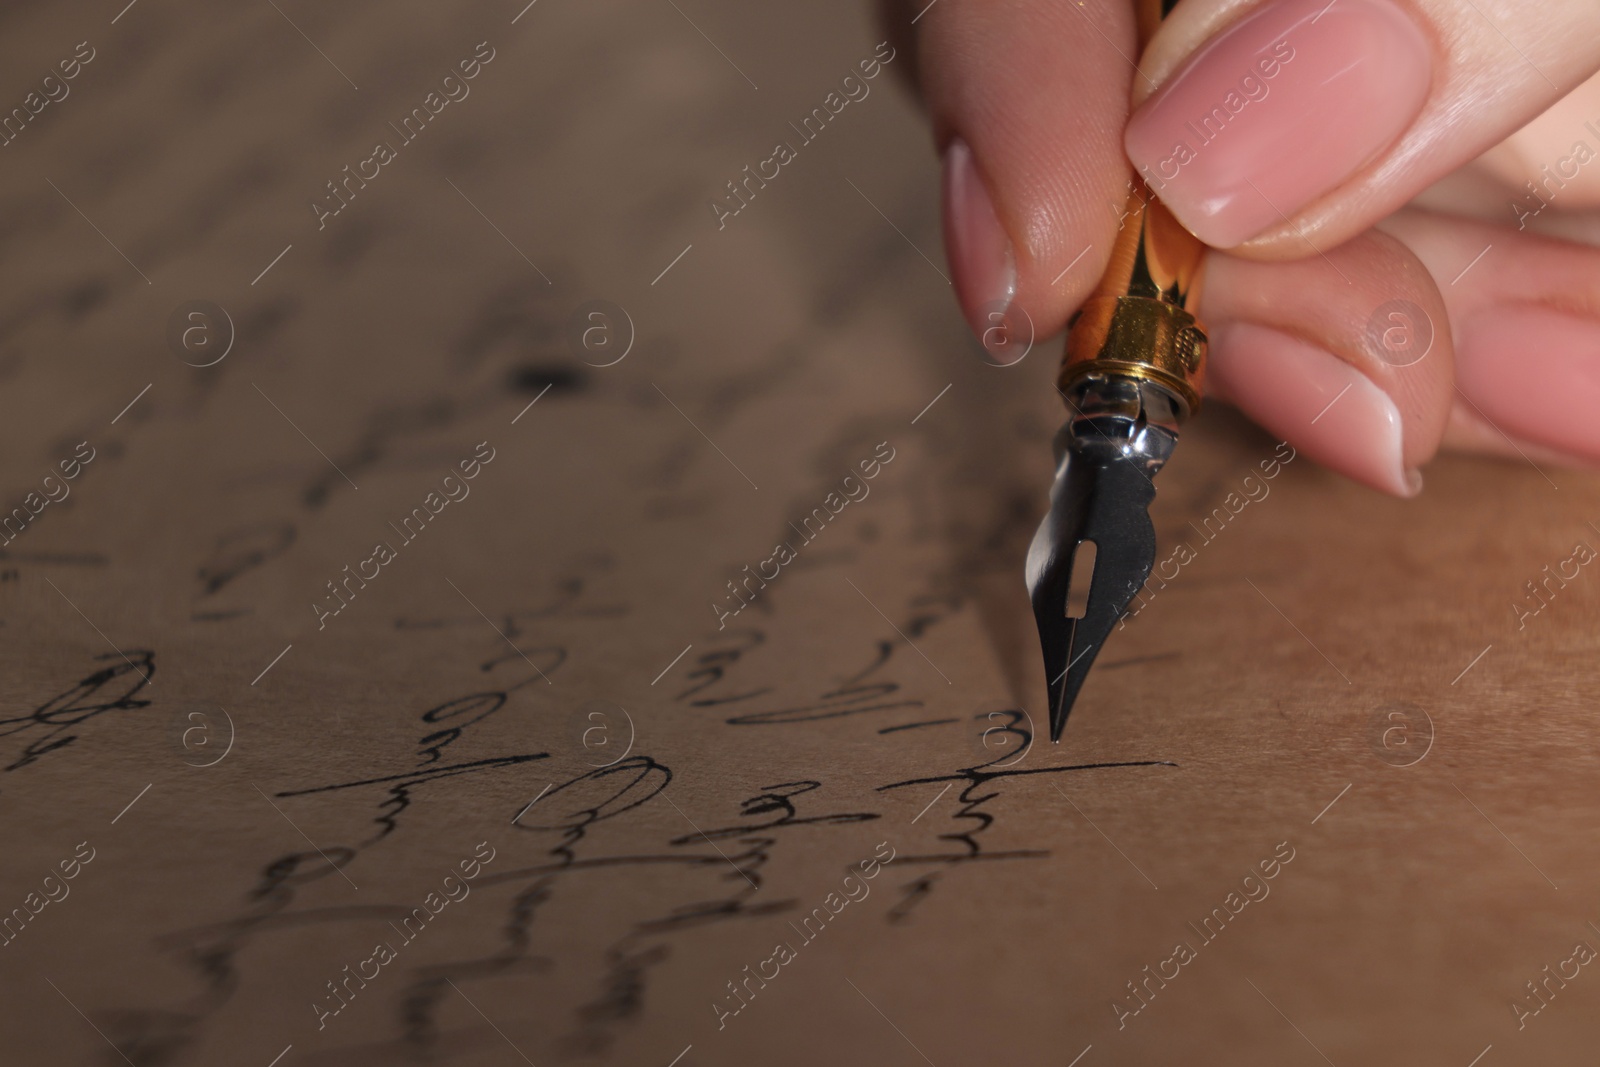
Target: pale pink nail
1311,398
1277,110
1534,374
979,250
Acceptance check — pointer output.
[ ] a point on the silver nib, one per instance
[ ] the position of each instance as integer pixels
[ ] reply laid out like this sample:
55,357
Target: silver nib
1121,433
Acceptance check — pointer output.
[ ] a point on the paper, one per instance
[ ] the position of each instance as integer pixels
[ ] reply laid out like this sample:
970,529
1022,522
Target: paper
519,600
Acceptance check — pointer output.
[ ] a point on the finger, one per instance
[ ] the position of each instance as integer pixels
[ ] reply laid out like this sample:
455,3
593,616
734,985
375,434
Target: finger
1346,356
1526,312
1554,161
1028,100
1290,125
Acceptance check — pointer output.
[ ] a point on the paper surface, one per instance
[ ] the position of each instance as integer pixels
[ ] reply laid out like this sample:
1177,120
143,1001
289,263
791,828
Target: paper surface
356,759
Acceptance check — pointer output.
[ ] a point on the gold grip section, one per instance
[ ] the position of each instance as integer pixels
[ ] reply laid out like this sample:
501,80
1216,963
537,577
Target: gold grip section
1140,321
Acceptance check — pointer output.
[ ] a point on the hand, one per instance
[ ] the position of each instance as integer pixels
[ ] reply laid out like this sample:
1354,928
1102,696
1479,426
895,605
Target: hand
1390,282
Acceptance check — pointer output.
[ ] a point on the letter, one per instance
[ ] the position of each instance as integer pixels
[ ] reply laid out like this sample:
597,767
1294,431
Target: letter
323,615
785,953
349,177
61,85
1267,66
784,154
69,68
323,214
1283,51
433,898
384,954
1548,179
1162,567
1264,889
1278,852
470,869
1537,998
751,978
1234,898
462,886
748,579
879,452
1269,468
870,68
761,169
376,967
361,170
1185,955
19,517
463,486
870,468
870,868
1521,1014
61,886
1582,152
1561,167
1218,116
1269,868
785,554
861,85
32,98
1138,996
78,852
479,52
66,490
1548,978
884,844
478,851
1279,452
820,117
761,570
384,154
1186,555
1253,87
845,485
34,898
1582,553
1583,951
18,916
435,103
1165,173
78,452
720,214
1523,615
419,118
879,52
348,577
486,460
723,616
1230,500
361,569
461,85
34,502
1561,569
79,52
336,995
470,468
806,924
1148,978
1123,1013
835,898
384,554
1222,923
322,1015
760,970
1265,489
69,868
1234,102
864,887
411,919
1176,969
722,1015
748,178
345,984
70,469
434,502
821,523
1562,968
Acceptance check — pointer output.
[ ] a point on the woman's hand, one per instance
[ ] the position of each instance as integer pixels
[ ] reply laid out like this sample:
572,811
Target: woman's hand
1390,280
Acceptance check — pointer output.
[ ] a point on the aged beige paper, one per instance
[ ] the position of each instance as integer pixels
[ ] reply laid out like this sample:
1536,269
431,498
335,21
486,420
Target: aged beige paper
486,592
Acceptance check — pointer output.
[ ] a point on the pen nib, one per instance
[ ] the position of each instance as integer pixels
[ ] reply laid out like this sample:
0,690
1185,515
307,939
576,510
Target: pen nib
1101,496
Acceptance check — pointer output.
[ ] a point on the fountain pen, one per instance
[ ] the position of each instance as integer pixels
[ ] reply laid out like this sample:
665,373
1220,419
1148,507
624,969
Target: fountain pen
1131,374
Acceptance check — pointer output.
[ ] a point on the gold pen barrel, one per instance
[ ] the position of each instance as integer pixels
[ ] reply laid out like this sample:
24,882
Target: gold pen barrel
1140,321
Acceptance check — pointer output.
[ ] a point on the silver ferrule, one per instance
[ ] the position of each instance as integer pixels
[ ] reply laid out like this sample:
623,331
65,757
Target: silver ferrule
1115,416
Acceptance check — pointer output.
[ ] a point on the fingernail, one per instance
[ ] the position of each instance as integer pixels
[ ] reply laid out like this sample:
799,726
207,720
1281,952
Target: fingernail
1278,109
1316,401
980,252
1534,374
